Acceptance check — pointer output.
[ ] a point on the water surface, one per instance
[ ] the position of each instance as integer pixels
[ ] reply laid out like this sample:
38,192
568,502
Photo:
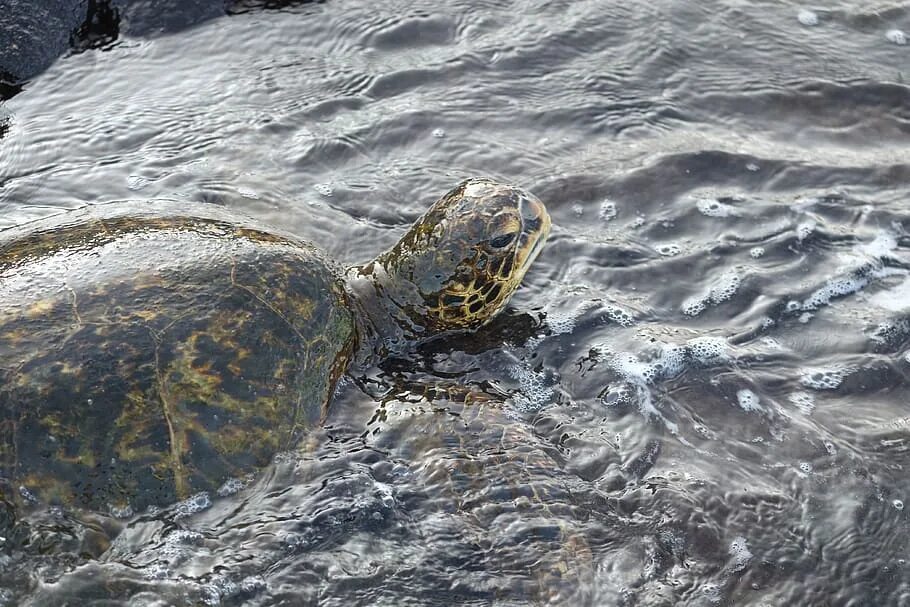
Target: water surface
704,380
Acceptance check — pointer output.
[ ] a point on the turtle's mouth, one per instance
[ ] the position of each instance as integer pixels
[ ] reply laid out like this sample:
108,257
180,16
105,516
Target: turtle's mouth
535,227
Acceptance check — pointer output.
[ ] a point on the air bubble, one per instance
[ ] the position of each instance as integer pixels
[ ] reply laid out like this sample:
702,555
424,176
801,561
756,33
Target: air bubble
116,511
896,36
669,250
830,448
805,467
748,400
324,189
607,210
756,252
231,486
898,504
711,207
807,17
708,350
823,379
192,505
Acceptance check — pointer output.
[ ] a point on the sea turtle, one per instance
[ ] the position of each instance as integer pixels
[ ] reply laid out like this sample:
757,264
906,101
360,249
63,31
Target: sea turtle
149,351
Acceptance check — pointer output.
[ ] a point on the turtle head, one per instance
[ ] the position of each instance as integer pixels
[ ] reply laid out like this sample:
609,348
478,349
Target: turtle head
463,259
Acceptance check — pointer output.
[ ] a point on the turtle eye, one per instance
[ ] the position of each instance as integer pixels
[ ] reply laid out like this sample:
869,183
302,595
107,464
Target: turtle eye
503,240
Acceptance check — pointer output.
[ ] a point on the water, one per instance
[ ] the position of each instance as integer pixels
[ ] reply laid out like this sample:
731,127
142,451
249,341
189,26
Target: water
702,387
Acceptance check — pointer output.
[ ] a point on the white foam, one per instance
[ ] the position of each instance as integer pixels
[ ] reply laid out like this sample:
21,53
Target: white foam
807,17
125,511
711,207
896,36
535,393
607,210
804,230
836,287
739,550
804,401
578,209
752,167
708,350
907,357
824,378
721,290
192,505
620,316
232,486
439,133
748,400
669,250
756,252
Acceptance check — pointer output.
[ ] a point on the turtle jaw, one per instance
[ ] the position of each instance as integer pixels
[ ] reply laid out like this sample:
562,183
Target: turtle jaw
535,229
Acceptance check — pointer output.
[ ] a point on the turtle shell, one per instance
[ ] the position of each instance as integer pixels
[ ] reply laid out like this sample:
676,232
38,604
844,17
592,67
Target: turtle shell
148,355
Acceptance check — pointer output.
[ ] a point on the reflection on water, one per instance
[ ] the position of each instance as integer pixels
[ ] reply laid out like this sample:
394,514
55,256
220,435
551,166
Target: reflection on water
699,396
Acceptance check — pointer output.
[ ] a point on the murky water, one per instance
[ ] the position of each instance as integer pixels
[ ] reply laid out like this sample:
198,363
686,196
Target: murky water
703,386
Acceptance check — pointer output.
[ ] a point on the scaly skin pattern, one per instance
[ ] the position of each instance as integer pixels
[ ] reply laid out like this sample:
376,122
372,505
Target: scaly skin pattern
144,358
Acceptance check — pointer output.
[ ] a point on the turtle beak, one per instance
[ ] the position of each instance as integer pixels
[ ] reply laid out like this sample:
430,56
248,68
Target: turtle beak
535,224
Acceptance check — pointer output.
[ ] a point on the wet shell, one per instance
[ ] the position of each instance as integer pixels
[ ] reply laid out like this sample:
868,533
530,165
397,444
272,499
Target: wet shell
145,356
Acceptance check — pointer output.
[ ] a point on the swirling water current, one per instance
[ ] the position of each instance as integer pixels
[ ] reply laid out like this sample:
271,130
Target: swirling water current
707,372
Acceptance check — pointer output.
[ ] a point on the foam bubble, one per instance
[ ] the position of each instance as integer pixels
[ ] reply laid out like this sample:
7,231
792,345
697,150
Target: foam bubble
231,486
721,290
756,252
620,316
711,207
669,250
898,504
824,379
896,36
192,505
578,209
607,210
439,133
120,511
830,448
324,189
708,350
805,467
836,287
804,401
535,392
807,17
739,550
752,167
748,400
804,230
